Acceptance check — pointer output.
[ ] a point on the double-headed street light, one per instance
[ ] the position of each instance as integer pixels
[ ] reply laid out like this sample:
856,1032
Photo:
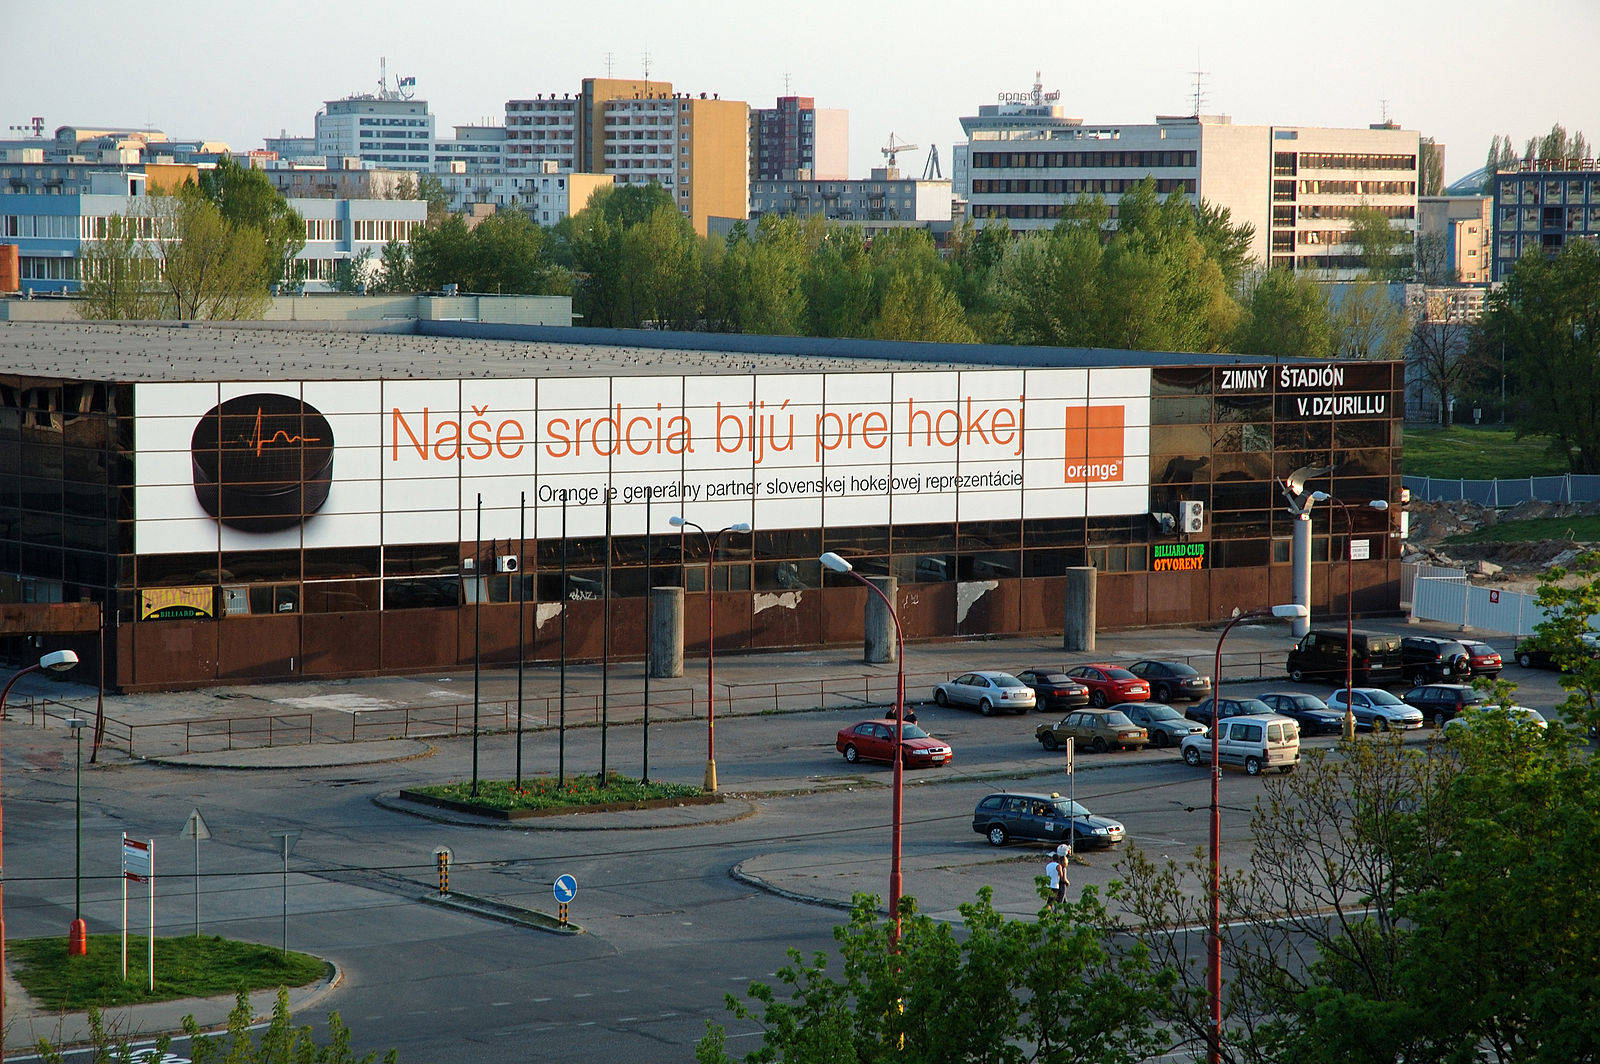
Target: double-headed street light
837,564
1214,936
1349,604
57,661
711,542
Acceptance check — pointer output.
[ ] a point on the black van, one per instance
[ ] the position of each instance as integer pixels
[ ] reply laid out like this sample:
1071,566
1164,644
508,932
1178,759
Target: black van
1376,660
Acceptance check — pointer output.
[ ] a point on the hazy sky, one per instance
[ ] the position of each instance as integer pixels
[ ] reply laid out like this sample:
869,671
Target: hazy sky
239,72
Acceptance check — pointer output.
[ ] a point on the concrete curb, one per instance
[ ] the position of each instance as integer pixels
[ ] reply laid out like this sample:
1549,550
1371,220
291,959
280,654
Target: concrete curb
316,760
490,909
736,806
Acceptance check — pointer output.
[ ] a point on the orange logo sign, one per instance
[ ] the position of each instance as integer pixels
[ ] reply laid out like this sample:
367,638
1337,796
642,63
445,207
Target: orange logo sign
1095,448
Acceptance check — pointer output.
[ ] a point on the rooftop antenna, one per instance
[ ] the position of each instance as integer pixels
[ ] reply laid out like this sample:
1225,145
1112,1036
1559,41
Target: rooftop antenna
1383,109
1199,88
383,76
647,65
786,82
610,60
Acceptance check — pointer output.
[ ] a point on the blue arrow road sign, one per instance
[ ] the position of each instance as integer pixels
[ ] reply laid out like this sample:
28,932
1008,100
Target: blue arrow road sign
566,889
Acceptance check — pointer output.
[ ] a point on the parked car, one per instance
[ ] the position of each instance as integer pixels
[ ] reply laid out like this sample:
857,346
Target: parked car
1029,816
1098,729
1375,657
1520,715
1255,743
1171,680
1231,707
988,691
1485,659
1109,684
1377,709
1537,652
873,740
1440,702
1054,689
1308,711
1165,725
1429,659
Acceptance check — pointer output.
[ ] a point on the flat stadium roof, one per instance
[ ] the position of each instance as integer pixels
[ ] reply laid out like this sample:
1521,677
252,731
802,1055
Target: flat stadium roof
342,350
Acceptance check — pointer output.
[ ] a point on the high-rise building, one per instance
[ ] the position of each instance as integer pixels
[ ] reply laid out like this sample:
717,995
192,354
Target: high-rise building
1543,205
383,128
799,140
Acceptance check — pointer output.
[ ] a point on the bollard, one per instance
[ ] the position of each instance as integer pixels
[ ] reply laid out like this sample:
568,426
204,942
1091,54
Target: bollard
441,859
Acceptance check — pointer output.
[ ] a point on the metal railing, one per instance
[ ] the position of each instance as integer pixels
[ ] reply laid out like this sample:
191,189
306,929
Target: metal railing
1567,487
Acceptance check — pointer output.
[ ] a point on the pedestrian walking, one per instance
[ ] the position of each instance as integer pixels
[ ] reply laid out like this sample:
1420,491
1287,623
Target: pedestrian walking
1056,872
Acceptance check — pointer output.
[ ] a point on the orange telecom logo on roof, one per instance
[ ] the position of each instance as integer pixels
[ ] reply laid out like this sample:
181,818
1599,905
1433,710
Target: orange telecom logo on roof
1096,451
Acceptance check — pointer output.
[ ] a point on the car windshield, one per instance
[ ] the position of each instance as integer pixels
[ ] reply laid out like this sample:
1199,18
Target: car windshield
1254,706
1118,719
1480,649
911,731
1052,677
1120,674
1178,668
1307,702
1382,698
1007,680
1160,712
1067,807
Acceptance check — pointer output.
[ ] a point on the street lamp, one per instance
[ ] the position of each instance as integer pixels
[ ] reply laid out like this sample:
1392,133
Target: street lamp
711,541
78,935
56,661
1214,938
839,565
1349,604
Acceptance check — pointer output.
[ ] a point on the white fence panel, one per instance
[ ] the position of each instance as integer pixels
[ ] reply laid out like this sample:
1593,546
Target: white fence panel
1442,594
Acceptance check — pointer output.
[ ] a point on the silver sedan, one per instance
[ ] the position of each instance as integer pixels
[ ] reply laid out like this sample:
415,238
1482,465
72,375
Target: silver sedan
989,692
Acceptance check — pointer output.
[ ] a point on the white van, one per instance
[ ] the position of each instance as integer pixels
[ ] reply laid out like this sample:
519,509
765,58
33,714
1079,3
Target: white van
1255,742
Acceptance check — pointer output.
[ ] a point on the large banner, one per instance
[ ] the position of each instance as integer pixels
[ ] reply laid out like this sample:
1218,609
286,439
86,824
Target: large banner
267,464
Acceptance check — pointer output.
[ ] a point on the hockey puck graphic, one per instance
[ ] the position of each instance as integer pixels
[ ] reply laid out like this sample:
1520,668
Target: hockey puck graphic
262,462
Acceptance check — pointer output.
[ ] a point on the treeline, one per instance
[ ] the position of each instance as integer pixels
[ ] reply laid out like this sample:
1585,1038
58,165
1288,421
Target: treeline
1168,277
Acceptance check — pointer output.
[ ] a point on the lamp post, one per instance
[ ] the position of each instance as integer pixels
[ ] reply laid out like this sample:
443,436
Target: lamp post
1349,604
711,541
56,661
78,934
1214,935
839,565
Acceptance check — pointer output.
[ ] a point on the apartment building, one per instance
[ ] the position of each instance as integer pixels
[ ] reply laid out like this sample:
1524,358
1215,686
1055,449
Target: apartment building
798,139
1464,228
888,195
1543,205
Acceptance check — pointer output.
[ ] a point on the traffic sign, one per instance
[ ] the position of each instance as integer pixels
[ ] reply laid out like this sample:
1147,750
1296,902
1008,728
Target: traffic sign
195,827
566,889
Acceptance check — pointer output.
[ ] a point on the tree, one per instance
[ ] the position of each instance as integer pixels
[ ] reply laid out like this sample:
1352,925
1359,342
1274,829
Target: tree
1367,322
210,267
395,273
1502,156
1546,318
431,189
1226,244
1386,250
1571,596
1002,991
350,274
755,283
1286,316
976,256
1433,260
1430,168
247,200
1557,146
119,271
1440,353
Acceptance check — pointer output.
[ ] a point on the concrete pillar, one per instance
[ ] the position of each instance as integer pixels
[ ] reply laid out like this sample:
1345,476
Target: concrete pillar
879,644
1077,623
1300,557
666,632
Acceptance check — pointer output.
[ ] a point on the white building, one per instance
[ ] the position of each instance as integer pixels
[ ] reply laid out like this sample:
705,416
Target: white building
382,129
542,129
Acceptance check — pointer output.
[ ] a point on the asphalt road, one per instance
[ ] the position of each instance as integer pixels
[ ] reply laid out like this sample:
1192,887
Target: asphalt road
668,931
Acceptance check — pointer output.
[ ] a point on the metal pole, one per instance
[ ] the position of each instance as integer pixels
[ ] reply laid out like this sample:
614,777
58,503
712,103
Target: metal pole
711,661
1214,932
286,895
77,849
649,628
605,643
477,643
561,730
898,806
522,616
197,881
1349,621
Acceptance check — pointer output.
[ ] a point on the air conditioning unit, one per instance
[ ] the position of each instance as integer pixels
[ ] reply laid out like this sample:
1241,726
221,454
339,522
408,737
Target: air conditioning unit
505,563
1192,517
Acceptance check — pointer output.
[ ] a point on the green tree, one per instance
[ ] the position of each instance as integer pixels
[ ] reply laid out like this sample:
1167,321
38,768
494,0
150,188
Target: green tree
1546,319
1001,991
838,284
350,274
755,287
1286,316
1502,156
210,268
1557,146
1368,322
1226,244
911,291
443,254
976,257
1386,250
431,189
1570,596
119,271
394,272
247,200
508,252
1440,353
1430,168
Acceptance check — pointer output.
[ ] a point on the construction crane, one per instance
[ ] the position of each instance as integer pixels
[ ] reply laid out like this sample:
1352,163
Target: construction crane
893,150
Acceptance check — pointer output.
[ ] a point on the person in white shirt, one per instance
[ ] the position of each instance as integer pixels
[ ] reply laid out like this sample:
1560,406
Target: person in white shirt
1056,873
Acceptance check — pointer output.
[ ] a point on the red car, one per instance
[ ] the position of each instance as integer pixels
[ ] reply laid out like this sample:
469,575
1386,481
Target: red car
1110,684
873,740
1485,660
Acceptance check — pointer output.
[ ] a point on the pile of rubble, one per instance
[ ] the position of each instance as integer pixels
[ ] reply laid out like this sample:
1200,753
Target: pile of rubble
1517,564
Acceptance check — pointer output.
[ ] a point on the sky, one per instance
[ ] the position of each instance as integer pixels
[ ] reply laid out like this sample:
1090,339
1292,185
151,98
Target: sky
238,72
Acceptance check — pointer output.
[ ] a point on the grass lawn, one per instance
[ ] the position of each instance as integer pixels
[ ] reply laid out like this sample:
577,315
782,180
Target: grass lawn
543,792
1581,529
1477,453
185,967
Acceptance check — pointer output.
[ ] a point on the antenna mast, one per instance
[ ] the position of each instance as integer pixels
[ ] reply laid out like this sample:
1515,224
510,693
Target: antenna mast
1199,88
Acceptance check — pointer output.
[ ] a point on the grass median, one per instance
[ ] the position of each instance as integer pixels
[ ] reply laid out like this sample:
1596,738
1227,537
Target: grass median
185,967
549,793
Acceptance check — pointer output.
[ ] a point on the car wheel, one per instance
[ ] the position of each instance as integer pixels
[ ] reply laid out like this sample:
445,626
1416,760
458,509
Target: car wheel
1048,741
851,754
940,698
1438,718
1525,660
1098,699
1160,740
997,835
1099,745
1252,766
1297,675
985,708
1419,677
1163,693
1191,755
1380,724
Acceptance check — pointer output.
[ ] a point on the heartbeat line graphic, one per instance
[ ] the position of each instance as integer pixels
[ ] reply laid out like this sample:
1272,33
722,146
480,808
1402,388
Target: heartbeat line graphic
257,444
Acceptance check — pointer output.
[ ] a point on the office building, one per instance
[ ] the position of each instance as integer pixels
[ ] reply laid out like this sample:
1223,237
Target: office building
1543,205
1463,229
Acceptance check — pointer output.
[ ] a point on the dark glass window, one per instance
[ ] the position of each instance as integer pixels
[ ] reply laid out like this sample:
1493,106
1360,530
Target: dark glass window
342,596
987,535
341,561
260,566
788,543
421,559
1167,380
1185,410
